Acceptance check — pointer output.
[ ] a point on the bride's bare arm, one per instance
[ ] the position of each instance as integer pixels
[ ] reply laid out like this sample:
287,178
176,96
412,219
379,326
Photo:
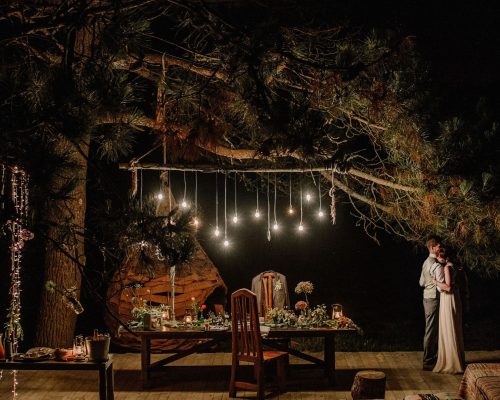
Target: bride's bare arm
446,285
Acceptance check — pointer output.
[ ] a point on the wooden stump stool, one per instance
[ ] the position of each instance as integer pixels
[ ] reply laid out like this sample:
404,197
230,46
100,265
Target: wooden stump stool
368,385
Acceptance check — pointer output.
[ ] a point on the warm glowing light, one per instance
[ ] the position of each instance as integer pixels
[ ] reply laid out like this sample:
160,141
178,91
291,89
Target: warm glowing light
275,226
308,197
216,232
159,196
184,204
301,227
235,219
257,214
196,222
291,210
321,213
226,242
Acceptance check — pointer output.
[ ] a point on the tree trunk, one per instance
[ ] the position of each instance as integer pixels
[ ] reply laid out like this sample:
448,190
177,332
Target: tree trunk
64,248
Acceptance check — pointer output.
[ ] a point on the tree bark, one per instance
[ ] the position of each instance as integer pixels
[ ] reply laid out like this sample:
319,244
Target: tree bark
56,324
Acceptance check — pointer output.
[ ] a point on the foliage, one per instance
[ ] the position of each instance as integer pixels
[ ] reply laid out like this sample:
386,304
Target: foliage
244,83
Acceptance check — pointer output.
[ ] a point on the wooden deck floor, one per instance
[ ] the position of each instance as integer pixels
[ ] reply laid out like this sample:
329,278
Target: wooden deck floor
209,380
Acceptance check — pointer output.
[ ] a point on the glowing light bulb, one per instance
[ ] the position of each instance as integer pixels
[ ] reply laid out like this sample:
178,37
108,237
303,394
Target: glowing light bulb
308,197
226,242
290,211
235,219
217,232
301,227
275,226
321,213
184,204
196,222
159,196
257,214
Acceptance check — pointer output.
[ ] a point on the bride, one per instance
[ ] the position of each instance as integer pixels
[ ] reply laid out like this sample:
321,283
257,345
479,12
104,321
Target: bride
451,355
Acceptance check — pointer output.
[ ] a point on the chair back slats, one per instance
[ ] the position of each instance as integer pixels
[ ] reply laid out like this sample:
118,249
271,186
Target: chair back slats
247,343
267,286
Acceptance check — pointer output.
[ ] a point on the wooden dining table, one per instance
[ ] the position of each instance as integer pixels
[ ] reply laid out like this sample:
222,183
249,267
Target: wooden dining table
211,337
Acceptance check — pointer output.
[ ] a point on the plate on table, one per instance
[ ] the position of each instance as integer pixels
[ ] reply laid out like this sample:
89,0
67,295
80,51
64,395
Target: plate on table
218,328
30,358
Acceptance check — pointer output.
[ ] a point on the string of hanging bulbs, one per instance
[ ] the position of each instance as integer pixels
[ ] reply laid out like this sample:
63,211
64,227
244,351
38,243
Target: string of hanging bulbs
305,198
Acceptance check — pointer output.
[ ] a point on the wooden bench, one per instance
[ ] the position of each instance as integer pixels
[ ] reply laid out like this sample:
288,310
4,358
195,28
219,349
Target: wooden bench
105,369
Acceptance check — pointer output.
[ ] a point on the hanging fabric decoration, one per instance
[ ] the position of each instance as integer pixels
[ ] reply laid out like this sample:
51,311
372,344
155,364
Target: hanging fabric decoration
134,182
172,290
333,210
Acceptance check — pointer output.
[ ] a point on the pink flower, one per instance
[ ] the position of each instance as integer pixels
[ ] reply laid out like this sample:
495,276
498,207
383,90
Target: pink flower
301,305
203,306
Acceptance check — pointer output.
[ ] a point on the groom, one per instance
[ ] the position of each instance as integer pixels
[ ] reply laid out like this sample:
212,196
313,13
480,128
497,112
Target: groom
431,270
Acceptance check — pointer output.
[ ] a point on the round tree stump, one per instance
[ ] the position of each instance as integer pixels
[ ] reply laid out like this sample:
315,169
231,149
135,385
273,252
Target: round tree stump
368,385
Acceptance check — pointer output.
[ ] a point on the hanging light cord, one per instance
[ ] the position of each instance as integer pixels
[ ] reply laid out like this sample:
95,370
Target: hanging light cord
301,202
225,206
257,197
169,191
185,186
319,192
196,193
217,201
290,186
268,212
275,220
235,203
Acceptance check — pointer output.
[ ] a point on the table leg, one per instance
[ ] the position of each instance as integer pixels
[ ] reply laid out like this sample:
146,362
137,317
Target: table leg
330,359
145,361
102,382
110,386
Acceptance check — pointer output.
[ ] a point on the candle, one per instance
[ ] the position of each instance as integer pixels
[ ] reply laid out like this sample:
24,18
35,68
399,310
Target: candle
188,319
337,311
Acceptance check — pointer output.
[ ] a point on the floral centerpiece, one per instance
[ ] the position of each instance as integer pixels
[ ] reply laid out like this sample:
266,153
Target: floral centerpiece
197,310
305,288
282,316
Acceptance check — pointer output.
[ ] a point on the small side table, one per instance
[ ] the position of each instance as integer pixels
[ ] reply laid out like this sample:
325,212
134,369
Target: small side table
105,369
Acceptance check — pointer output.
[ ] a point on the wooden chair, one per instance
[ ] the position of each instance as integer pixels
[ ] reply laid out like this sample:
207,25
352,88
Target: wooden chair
247,345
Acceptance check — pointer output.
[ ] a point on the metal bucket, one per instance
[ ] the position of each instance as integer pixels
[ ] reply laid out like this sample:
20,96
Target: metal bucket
97,349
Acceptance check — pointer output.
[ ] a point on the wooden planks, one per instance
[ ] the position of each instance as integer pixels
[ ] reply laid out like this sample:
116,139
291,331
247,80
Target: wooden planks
210,381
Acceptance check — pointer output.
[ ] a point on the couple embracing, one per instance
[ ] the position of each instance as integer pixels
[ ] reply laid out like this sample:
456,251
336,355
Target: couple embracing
443,339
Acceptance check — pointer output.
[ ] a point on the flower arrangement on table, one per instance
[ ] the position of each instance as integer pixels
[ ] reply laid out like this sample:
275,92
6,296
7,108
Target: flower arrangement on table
198,310
308,316
314,317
